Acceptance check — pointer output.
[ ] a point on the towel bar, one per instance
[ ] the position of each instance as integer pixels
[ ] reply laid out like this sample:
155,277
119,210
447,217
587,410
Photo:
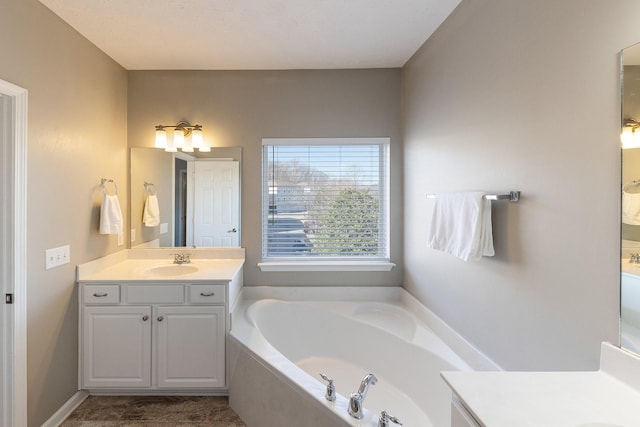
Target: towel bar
512,196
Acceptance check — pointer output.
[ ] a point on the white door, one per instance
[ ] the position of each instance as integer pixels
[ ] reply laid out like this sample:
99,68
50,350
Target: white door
116,347
13,284
190,346
216,217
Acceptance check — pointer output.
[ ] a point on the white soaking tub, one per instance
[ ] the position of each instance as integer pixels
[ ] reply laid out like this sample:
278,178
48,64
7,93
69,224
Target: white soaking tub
282,338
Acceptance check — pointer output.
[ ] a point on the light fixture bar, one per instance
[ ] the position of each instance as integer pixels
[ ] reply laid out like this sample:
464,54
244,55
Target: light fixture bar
186,137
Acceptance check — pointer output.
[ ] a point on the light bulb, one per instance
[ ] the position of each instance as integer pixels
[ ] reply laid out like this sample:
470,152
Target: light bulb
178,138
196,136
626,136
161,137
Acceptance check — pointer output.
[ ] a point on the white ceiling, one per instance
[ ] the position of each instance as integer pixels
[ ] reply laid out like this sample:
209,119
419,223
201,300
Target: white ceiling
255,34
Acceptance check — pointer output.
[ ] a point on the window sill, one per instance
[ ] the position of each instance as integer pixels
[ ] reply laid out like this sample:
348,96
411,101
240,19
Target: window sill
326,266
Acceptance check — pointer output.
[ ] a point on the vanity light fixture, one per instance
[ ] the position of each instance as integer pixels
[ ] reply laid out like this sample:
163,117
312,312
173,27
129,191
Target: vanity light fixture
630,136
186,137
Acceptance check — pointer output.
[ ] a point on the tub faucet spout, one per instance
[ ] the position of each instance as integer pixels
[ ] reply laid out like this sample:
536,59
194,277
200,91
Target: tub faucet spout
355,401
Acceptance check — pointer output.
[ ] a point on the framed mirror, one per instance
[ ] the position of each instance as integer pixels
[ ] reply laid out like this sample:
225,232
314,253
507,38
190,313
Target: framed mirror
630,229
185,199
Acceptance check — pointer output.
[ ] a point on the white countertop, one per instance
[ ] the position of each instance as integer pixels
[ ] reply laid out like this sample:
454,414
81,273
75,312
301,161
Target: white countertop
506,399
546,399
131,266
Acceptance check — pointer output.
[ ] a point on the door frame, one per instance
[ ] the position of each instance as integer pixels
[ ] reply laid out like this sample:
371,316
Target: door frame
13,361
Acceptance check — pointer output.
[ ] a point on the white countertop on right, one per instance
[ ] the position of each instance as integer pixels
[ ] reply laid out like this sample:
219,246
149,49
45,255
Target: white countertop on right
609,397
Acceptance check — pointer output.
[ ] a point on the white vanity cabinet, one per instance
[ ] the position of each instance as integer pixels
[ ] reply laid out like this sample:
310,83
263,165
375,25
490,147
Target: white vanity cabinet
153,336
190,347
116,347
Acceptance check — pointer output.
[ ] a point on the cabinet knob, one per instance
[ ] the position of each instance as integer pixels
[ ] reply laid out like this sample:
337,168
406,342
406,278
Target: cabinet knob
103,294
145,318
160,318
207,294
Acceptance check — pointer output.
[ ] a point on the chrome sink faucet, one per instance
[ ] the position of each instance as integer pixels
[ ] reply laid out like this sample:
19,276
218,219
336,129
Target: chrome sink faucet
635,258
355,401
181,258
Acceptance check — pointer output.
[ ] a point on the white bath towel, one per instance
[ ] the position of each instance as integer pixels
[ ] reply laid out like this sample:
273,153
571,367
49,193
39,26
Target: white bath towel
461,225
631,208
151,214
110,215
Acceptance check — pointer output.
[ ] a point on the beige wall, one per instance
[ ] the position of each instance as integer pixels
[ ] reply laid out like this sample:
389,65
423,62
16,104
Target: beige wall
76,135
239,108
522,95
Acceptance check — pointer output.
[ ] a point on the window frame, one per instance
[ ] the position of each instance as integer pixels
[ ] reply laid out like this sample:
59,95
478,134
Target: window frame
327,263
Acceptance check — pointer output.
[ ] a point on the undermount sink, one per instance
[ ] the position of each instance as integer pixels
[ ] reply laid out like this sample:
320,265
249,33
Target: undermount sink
171,270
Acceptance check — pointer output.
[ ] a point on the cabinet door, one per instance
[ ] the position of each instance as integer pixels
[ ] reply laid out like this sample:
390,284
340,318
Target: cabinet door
116,347
190,347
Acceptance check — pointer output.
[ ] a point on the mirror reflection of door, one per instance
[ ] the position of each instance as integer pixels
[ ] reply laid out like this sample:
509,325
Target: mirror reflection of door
216,204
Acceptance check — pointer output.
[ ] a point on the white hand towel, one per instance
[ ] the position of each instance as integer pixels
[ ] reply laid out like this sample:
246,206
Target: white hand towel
461,225
151,214
631,208
110,215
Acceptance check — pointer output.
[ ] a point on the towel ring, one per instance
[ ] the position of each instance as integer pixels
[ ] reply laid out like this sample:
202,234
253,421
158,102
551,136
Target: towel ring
105,181
150,188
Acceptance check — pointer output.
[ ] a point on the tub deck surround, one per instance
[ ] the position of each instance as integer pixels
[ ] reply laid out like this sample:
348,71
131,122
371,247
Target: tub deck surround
608,397
286,336
210,264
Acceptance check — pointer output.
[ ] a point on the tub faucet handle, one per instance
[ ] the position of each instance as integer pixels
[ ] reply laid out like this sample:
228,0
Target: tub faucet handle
330,395
385,420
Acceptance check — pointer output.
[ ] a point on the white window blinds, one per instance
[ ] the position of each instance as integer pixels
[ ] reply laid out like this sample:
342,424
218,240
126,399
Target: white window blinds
325,198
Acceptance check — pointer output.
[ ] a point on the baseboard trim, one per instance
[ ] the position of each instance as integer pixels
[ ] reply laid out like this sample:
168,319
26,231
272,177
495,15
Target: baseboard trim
65,410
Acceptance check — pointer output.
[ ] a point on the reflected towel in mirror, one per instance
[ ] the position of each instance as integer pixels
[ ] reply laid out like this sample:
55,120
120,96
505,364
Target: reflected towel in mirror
151,214
631,208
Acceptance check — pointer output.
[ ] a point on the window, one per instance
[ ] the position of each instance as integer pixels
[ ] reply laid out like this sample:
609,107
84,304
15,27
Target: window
325,199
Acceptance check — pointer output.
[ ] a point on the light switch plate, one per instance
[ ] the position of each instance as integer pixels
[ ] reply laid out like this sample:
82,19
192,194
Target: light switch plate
56,257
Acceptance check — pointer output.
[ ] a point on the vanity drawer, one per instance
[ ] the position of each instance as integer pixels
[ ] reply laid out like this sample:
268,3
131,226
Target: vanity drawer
155,294
206,294
101,294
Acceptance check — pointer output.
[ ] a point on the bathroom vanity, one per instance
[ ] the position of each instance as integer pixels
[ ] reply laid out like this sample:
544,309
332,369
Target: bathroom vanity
153,326
607,397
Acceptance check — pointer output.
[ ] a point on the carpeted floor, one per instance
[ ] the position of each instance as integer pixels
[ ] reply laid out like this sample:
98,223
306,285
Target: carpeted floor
156,411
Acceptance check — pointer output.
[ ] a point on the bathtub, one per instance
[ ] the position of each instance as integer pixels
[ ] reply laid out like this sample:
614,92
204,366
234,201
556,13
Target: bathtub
282,338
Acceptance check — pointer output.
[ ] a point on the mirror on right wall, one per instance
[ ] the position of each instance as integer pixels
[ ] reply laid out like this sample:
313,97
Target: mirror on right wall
630,230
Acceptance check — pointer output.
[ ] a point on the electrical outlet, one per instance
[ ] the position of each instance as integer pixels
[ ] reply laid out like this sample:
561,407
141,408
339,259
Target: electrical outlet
164,228
120,239
133,235
56,257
